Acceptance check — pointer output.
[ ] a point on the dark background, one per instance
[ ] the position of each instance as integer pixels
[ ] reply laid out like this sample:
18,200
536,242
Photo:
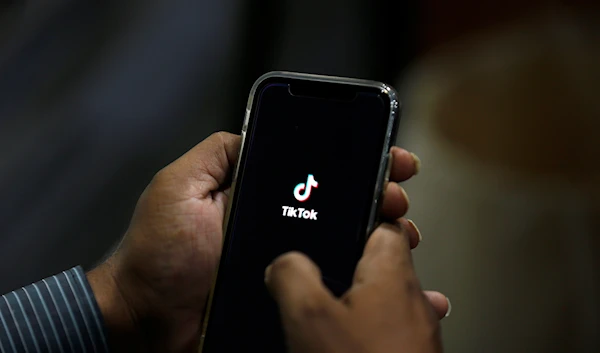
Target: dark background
500,101
98,96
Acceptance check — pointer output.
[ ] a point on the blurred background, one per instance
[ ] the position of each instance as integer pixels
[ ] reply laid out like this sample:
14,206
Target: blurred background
500,102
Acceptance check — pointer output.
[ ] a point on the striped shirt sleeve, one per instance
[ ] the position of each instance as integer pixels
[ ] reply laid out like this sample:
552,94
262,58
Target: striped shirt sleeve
57,314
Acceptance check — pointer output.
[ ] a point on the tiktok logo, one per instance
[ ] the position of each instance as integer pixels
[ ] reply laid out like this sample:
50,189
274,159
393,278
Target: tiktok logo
307,188
302,193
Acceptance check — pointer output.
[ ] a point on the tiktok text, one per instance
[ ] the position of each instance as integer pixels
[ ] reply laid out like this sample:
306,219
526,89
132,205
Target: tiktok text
289,211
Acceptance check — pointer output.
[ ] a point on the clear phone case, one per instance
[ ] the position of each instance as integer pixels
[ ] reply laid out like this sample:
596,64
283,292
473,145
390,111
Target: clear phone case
384,164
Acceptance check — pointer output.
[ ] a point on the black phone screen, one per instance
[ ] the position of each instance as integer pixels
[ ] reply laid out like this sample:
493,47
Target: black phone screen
306,182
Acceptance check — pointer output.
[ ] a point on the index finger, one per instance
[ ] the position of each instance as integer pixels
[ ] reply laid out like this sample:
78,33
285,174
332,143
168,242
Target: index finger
387,260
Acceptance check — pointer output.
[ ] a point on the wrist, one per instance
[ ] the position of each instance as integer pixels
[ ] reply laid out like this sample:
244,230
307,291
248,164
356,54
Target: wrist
120,318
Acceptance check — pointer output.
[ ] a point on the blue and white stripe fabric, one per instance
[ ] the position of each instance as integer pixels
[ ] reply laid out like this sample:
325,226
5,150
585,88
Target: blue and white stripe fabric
57,314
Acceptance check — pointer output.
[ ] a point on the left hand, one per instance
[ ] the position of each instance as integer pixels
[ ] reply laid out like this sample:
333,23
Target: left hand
152,291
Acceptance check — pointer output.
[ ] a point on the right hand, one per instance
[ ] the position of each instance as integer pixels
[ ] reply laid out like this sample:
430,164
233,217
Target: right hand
384,311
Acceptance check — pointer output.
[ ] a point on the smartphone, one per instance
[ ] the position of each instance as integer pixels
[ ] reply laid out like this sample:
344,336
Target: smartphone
313,163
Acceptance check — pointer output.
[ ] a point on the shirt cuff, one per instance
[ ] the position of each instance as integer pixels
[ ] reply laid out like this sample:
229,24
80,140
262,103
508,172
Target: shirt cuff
56,314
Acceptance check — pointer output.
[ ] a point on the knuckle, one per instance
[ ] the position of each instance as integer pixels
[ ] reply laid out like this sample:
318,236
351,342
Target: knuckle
385,235
389,242
220,135
373,242
162,176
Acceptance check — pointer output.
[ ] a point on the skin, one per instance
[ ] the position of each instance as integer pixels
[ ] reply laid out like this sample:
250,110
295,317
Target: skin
384,311
152,291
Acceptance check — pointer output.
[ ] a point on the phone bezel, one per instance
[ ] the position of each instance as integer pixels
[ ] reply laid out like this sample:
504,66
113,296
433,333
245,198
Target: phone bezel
382,174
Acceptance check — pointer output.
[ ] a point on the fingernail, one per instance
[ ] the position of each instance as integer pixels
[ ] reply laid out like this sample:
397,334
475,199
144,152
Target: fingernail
449,307
267,273
405,195
417,229
417,161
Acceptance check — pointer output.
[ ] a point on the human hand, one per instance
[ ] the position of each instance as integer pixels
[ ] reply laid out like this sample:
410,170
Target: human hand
384,310
152,291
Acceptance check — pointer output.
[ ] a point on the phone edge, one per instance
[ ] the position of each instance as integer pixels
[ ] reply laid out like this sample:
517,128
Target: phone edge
382,173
